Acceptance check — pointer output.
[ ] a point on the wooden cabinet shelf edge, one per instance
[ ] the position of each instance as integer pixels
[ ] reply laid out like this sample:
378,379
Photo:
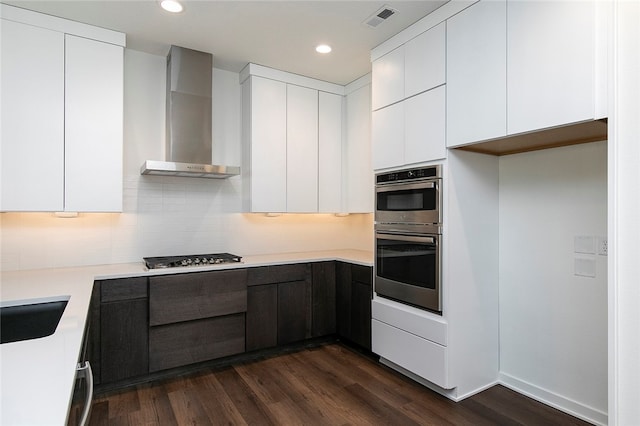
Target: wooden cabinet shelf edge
571,134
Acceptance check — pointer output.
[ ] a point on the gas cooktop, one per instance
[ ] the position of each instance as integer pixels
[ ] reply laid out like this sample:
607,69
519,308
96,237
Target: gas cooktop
190,260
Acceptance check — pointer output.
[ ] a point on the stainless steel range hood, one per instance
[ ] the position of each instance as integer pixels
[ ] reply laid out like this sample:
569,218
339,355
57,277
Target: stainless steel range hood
188,140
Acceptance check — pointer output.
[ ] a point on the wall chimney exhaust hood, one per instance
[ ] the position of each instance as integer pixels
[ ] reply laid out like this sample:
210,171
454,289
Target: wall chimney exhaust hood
188,121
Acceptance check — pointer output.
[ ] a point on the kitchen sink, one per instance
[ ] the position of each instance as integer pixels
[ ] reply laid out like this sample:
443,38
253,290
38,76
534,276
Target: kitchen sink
30,319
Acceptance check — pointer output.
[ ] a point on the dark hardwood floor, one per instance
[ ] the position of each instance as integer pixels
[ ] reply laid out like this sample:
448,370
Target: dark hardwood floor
325,385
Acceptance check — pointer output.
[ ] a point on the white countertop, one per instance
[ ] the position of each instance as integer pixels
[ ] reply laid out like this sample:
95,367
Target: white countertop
37,376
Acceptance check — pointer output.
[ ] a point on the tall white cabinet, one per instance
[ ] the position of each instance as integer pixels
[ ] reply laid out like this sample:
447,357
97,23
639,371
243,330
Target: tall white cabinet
302,149
62,114
32,145
330,149
94,83
264,168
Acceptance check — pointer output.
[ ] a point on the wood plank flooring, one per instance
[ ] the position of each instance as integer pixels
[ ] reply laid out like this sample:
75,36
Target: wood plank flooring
325,385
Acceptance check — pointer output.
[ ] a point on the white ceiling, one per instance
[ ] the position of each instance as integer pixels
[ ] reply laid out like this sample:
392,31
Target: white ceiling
277,34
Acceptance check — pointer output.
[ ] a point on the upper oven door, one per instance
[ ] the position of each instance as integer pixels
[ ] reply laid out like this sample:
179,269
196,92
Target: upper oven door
411,202
407,269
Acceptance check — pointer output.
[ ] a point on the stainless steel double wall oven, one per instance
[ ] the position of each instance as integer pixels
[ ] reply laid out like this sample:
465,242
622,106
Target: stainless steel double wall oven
408,231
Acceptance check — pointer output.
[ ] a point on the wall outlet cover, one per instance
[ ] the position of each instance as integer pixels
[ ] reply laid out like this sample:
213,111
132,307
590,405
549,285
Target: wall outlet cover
603,246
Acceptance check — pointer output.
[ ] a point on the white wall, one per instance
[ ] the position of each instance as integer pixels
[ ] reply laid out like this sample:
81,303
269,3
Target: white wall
553,324
169,215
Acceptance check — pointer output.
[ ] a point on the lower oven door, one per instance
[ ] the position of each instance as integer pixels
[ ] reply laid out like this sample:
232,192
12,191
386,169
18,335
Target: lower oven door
407,269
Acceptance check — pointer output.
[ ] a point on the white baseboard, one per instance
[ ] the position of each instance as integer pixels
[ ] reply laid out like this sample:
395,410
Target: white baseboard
576,409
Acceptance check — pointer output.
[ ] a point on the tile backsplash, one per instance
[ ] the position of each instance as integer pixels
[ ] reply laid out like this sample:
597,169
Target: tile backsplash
168,216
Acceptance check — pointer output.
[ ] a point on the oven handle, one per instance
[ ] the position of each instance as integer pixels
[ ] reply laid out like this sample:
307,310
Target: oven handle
412,238
84,371
407,186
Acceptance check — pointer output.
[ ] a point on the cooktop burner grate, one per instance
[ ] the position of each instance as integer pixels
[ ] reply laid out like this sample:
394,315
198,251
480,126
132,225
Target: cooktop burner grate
190,260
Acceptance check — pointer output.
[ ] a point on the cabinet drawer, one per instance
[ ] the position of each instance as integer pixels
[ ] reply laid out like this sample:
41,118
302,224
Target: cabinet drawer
278,274
421,323
185,297
123,289
175,345
420,356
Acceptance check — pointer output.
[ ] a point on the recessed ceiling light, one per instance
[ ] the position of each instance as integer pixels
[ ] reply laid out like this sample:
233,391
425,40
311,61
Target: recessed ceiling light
172,6
323,48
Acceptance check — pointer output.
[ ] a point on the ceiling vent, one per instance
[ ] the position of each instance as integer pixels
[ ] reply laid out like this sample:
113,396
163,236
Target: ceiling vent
381,15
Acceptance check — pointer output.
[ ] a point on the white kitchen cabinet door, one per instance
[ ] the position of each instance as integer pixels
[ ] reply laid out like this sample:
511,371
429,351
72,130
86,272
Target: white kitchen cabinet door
302,149
388,79
387,139
550,63
329,153
424,138
359,172
94,88
32,145
268,147
477,73
424,61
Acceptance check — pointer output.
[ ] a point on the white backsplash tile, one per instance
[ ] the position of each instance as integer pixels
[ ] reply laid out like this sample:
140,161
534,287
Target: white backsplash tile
196,216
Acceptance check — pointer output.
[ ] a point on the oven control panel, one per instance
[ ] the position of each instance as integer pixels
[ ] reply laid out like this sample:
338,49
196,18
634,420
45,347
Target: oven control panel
408,175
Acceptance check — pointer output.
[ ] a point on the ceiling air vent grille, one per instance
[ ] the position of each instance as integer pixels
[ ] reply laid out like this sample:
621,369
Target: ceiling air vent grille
380,16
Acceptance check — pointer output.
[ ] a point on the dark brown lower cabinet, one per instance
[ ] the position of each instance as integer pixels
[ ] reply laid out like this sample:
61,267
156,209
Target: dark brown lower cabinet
144,325
278,305
290,303
262,316
323,299
353,305
189,342
293,310
196,317
123,329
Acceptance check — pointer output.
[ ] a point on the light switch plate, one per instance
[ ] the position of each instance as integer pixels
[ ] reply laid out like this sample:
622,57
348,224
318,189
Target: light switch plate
584,267
584,244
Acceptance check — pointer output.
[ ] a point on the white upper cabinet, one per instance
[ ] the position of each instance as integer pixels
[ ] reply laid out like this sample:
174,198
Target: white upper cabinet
302,149
330,151
515,67
408,125
265,145
94,93
32,162
412,68
477,73
409,132
424,134
388,79
424,61
62,115
550,63
292,143
387,138
359,181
